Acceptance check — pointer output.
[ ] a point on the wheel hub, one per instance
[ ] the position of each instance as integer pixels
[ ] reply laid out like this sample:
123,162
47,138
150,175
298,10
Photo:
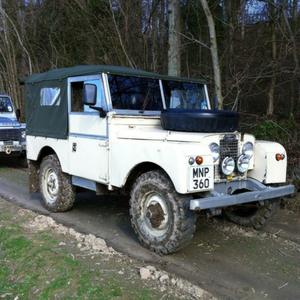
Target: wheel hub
51,184
156,215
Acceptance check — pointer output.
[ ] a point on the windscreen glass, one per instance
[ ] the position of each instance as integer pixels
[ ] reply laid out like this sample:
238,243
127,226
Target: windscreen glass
184,95
135,93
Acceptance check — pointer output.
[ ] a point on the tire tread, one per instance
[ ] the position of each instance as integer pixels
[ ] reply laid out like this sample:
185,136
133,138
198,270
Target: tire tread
66,197
184,222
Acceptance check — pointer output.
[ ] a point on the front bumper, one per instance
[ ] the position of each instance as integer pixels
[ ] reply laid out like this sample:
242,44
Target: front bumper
13,147
254,191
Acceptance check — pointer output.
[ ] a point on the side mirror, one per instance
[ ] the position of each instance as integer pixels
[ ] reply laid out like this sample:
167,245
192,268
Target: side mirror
89,94
18,113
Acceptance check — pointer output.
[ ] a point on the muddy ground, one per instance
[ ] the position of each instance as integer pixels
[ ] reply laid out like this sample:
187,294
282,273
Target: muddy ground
227,261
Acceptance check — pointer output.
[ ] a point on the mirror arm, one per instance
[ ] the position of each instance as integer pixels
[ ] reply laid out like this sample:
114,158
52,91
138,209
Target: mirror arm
102,112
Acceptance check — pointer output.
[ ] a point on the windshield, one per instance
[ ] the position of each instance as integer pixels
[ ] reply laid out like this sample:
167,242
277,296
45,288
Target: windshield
5,104
184,95
144,94
134,93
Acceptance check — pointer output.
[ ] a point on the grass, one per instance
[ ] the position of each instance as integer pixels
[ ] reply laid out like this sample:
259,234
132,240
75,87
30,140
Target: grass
33,265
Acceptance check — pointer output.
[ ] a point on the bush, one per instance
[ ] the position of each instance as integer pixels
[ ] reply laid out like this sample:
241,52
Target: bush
283,132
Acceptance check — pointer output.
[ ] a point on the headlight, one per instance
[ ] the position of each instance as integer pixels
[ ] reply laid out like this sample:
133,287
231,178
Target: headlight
248,149
227,165
23,134
243,163
215,150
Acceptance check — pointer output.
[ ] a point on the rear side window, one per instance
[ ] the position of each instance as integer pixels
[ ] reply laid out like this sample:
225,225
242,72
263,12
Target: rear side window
50,96
135,93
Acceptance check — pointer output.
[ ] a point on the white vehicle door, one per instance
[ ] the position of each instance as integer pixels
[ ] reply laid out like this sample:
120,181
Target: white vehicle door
88,134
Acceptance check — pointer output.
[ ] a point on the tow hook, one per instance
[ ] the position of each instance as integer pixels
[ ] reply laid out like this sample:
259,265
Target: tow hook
7,151
212,212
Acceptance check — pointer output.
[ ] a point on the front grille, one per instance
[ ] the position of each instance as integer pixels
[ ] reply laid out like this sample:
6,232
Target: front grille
229,147
9,135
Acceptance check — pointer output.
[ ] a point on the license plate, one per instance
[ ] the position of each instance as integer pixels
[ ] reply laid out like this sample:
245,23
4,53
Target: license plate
201,178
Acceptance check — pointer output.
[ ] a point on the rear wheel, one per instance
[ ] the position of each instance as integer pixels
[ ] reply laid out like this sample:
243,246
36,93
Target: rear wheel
254,214
159,215
56,187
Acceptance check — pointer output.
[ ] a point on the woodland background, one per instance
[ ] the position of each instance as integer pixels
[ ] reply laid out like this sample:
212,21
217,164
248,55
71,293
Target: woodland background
258,47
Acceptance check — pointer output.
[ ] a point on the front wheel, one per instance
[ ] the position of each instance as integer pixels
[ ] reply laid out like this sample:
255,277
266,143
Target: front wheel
56,187
159,215
23,160
254,214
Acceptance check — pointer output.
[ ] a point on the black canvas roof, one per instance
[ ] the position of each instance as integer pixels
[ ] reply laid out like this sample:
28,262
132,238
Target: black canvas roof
59,74
52,121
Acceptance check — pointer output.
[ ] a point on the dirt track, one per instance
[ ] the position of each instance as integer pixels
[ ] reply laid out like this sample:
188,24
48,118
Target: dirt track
228,261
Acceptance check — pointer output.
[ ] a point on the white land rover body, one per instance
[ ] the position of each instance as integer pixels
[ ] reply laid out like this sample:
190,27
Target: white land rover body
155,138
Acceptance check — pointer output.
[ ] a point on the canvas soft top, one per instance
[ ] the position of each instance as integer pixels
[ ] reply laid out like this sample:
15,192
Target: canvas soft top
52,121
59,74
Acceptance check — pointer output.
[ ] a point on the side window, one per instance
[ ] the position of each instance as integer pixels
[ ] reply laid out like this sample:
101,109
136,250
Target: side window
50,96
76,96
135,93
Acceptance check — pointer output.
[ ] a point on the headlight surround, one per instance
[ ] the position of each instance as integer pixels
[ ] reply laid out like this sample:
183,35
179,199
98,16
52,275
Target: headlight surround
215,150
227,165
248,149
243,163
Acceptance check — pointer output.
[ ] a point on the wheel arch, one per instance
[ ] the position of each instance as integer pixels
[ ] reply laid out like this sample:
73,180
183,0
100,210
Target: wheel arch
138,170
45,151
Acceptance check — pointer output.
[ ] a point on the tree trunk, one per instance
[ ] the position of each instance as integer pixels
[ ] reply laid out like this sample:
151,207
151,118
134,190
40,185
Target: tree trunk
214,53
295,53
274,64
174,59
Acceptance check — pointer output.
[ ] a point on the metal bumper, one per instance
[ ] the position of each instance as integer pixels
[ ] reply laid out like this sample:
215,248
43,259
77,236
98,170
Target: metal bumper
15,147
255,191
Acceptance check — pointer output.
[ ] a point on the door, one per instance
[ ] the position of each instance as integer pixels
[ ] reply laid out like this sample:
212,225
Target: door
88,134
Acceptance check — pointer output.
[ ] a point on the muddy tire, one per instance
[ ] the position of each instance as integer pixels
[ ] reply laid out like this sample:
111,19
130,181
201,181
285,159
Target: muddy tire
56,187
253,214
23,160
160,216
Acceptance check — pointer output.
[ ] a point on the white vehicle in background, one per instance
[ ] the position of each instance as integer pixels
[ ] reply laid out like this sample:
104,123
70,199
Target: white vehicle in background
12,133
155,138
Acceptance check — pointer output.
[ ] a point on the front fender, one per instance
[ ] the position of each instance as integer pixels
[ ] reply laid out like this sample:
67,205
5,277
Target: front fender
172,157
266,168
